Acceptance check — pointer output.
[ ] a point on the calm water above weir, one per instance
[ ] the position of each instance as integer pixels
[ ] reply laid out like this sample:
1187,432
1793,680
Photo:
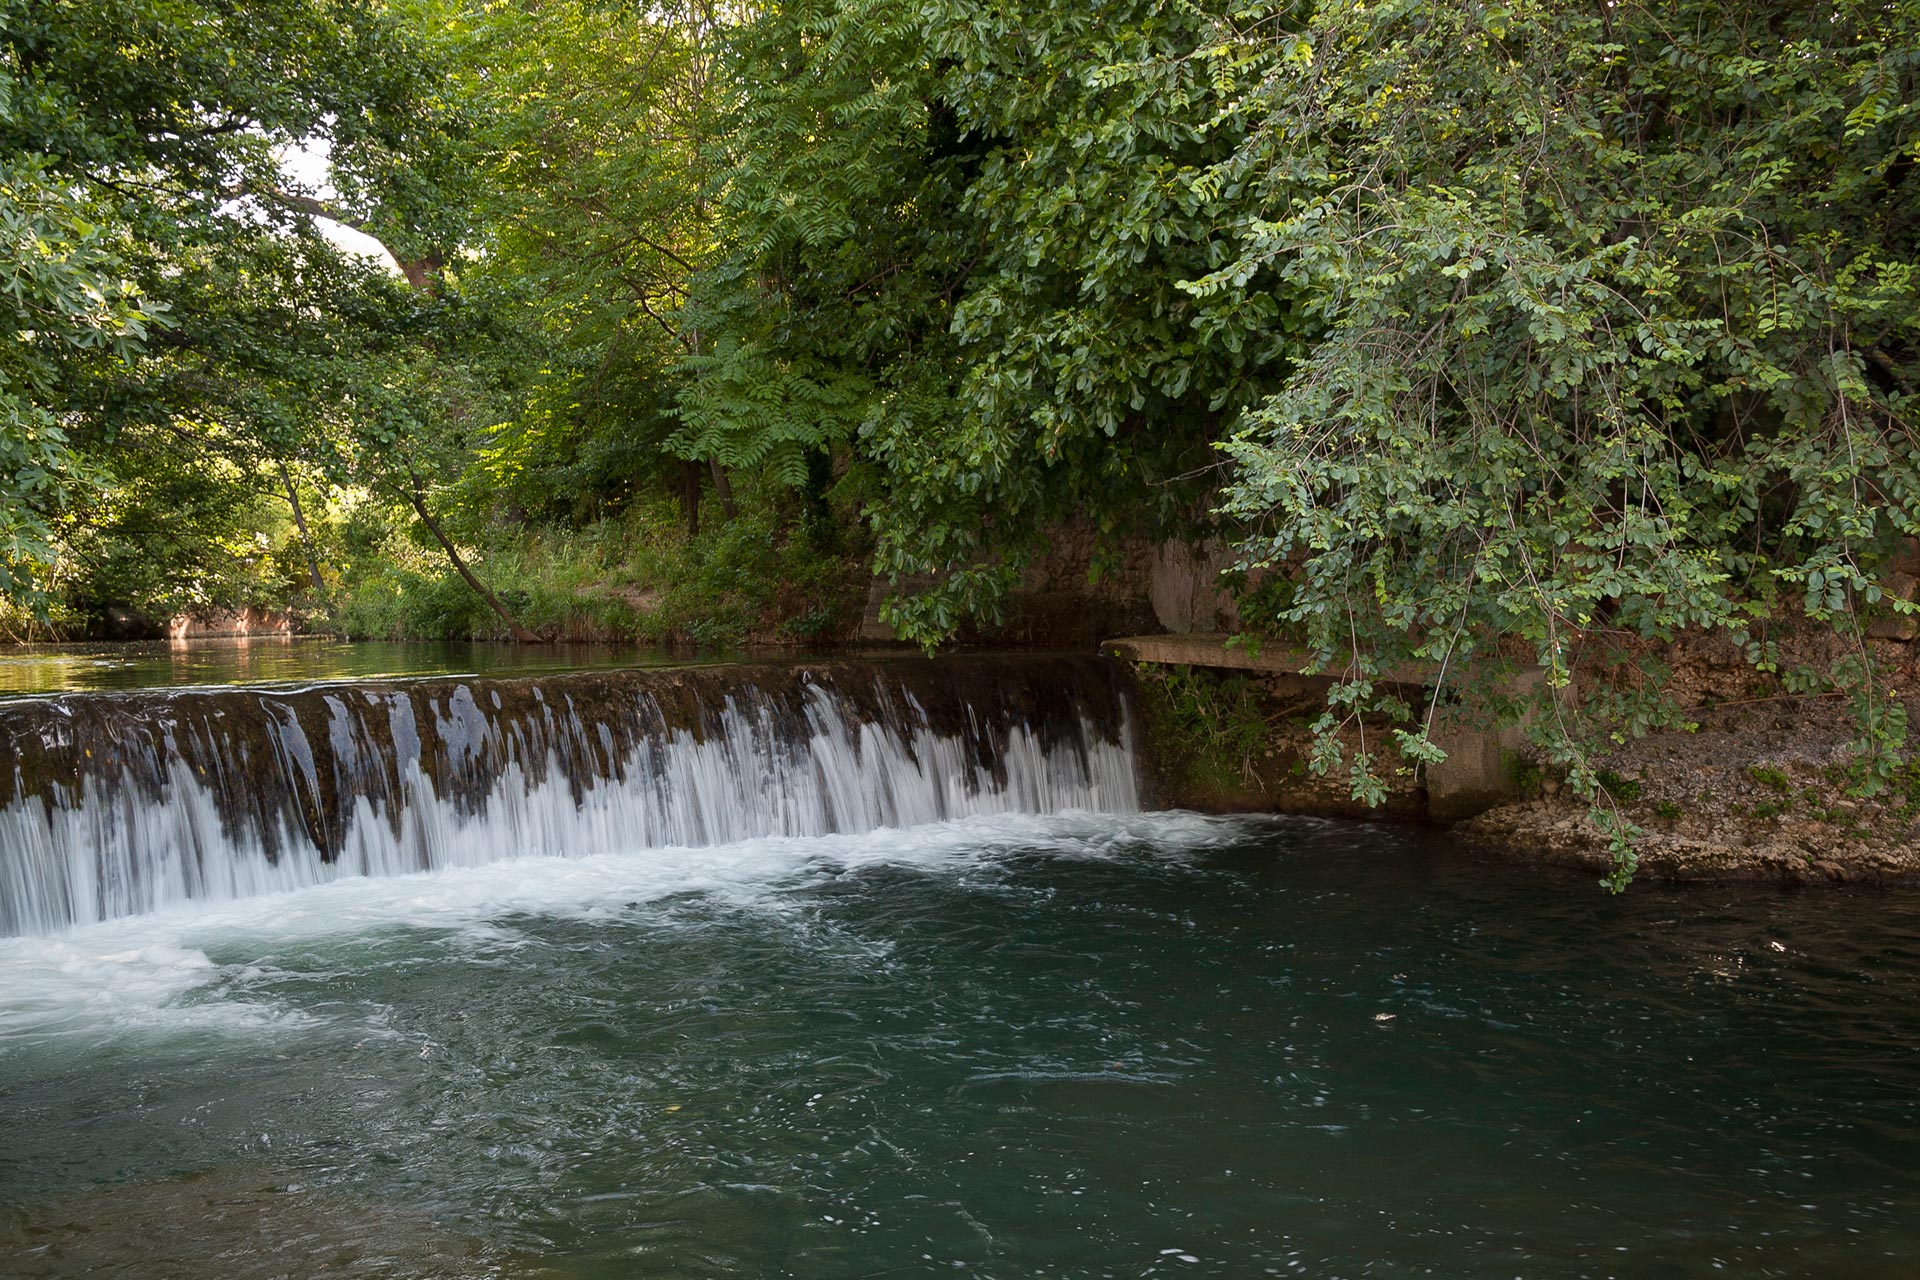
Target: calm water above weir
69,668
994,1044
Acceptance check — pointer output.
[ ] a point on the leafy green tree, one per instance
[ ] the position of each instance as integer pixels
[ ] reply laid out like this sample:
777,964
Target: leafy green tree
161,125
65,299
591,212
955,239
1618,330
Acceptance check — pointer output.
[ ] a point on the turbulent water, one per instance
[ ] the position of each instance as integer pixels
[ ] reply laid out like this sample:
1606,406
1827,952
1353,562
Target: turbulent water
997,1044
1003,1046
117,805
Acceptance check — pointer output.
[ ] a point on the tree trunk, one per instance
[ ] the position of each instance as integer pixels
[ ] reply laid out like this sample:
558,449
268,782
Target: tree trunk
690,497
723,489
419,501
822,534
306,538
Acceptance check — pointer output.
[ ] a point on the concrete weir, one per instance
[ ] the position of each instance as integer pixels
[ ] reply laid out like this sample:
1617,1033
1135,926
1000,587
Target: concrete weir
126,803
1482,764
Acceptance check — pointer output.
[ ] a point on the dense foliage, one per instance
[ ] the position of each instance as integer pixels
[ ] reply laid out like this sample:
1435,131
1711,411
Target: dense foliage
1617,325
591,212
66,297
1486,331
957,239
186,345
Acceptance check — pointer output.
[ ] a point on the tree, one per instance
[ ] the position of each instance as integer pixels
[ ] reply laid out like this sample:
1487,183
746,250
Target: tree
1617,332
955,239
65,299
161,124
591,213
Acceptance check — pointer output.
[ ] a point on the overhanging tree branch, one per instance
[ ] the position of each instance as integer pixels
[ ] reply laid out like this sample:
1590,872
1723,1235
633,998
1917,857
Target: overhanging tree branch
422,273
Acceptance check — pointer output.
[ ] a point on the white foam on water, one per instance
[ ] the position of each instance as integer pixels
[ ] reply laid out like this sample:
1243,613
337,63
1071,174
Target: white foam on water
114,851
155,972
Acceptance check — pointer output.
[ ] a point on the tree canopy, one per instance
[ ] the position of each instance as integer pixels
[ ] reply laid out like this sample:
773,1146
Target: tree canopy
1479,329
1615,325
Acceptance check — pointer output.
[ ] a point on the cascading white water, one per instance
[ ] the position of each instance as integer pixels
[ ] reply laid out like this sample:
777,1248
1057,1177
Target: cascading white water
121,806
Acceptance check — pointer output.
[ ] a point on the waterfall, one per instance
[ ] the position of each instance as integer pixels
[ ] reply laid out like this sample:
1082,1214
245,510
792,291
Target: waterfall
118,804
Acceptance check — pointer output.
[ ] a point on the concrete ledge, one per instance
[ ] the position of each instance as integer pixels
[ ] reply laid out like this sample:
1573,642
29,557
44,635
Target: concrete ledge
1210,649
1196,649
1481,768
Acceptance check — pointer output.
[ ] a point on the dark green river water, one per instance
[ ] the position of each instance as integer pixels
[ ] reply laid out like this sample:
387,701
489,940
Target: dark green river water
1074,1046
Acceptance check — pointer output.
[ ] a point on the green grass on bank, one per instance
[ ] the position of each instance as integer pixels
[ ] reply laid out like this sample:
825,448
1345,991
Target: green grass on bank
637,578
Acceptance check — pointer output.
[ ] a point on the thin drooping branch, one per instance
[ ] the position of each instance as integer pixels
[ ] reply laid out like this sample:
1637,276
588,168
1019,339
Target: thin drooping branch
306,538
417,496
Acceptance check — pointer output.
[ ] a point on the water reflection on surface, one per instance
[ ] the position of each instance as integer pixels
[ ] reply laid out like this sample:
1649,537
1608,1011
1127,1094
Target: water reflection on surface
26,669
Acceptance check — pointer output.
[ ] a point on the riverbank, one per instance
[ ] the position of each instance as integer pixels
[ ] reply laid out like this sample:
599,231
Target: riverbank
1760,786
1760,791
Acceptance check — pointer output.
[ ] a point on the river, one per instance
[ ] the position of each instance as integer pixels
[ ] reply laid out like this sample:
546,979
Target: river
1002,1029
